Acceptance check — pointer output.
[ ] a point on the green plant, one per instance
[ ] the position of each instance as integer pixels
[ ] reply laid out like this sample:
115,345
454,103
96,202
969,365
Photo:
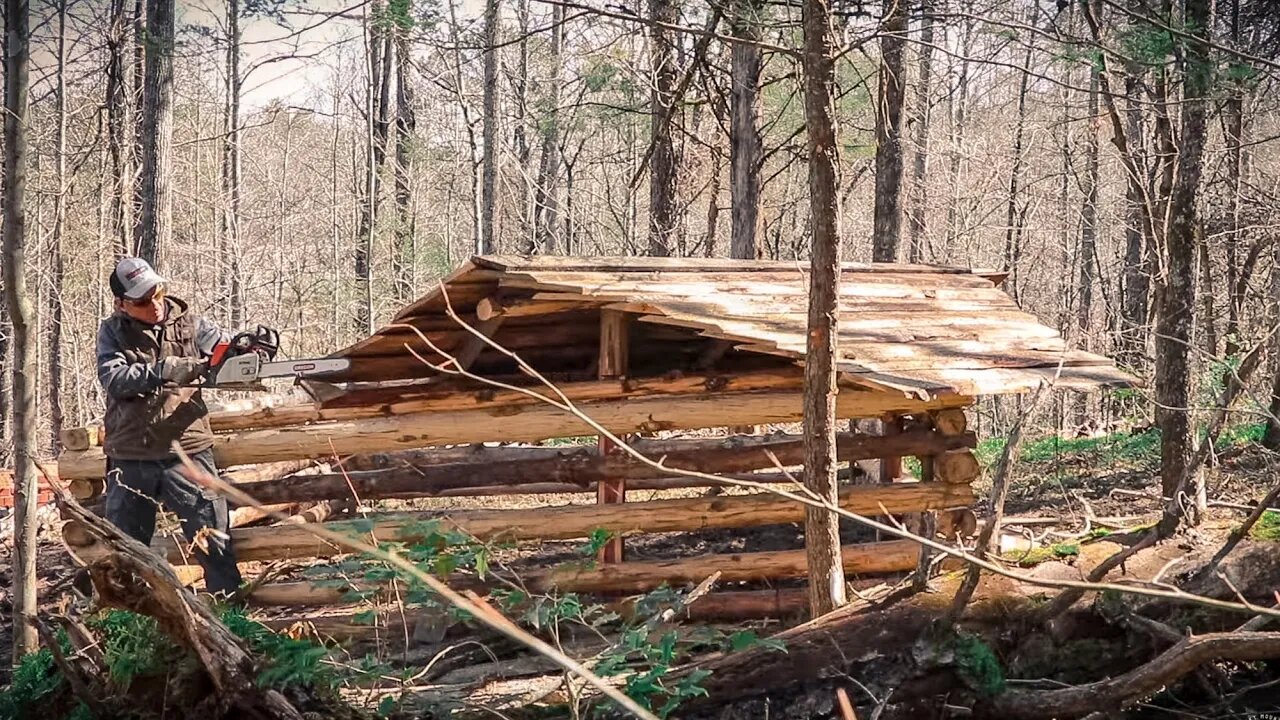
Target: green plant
133,646
284,660
977,664
34,681
1267,527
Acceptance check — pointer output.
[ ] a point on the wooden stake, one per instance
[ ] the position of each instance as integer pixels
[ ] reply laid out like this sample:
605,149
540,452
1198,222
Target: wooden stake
615,348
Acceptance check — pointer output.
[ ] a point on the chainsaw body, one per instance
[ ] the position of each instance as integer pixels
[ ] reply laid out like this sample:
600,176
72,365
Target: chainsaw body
244,361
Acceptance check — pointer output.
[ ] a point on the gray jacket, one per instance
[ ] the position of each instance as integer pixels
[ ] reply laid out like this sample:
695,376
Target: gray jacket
144,414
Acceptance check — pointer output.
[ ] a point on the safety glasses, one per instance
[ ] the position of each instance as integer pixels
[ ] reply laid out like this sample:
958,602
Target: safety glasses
155,296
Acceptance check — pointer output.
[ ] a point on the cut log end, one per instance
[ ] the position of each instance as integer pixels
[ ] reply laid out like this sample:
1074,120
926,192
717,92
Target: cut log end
956,467
950,421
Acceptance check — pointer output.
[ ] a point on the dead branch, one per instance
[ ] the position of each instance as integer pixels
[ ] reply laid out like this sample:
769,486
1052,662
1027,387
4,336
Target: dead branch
131,577
1121,691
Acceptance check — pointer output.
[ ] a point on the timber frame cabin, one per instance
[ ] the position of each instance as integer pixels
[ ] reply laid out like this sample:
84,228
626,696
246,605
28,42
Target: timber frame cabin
640,345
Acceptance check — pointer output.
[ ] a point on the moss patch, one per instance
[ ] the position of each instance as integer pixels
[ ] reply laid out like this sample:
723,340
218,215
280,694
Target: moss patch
1267,527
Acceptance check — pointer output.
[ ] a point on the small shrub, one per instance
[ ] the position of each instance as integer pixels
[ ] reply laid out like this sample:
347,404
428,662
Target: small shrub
977,664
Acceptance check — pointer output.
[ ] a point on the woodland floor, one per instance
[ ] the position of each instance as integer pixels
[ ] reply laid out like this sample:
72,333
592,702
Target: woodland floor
1091,489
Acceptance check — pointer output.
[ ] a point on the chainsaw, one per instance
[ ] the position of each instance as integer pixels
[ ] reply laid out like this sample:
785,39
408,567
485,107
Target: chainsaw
244,361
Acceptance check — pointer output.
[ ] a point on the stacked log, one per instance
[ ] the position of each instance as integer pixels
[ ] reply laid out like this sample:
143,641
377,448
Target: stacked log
572,521
530,421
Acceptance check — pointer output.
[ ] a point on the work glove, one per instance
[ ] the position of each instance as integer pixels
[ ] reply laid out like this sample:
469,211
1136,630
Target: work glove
182,370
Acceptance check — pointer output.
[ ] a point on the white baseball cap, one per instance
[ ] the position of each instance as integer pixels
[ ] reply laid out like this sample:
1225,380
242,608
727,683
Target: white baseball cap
134,278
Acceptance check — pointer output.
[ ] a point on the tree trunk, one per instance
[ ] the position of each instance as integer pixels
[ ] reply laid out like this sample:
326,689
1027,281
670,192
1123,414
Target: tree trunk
1088,235
119,103
1234,127
959,116
1177,296
664,164
920,167
746,146
155,221
406,125
489,193
546,210
1136,278
229,248
22,364
1013,238
377,105
889,102
822,527
57,271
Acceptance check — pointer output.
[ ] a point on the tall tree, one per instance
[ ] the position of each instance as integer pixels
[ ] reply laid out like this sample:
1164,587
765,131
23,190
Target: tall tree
155,221
1089,215
1135,278
821,526
489,195
920,122
1176,297
1012,221
56,265
546,208
746,145
406,126
664,164
22,364
229,227
120,119
377,126
889,103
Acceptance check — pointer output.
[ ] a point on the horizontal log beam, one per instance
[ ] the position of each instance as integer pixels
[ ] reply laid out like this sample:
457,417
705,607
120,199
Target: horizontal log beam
581,467
862,559
571,521
523,423
87,489
859,559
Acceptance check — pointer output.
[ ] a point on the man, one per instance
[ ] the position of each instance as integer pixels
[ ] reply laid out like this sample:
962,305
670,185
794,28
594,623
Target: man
152,352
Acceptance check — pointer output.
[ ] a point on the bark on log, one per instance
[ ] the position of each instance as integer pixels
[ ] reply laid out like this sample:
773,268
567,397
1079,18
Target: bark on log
578,469
243,516
524,423
127,576
576,521
863,559
87,489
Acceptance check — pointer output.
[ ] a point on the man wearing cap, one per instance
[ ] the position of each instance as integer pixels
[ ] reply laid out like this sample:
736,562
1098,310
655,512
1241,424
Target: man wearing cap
151,354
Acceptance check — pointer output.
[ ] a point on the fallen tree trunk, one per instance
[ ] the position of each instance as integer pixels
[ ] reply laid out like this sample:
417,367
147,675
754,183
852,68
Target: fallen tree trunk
127,576
522,423
582,467
243,516
574,521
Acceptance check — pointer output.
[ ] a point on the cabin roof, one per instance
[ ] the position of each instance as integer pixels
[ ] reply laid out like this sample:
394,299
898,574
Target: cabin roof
921,329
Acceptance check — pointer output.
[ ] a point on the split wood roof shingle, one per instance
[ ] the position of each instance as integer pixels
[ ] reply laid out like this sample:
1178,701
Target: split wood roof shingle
927,330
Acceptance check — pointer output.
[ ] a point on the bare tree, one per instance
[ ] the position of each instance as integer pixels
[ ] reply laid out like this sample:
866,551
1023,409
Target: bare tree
920,123
664,164
22,364
57,268
889,102
120,105
489,196
546,208
406,126
1176,297
822,527
378,125
155,222
746,145
229,228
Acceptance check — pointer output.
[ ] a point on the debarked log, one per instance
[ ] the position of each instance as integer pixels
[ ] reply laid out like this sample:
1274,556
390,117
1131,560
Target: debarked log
580,467
572,521
522,423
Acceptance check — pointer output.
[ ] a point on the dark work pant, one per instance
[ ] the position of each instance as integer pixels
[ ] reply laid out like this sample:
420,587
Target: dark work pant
135,486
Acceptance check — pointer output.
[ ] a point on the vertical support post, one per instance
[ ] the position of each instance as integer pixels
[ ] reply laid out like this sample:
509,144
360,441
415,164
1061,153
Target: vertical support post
890,467
614,351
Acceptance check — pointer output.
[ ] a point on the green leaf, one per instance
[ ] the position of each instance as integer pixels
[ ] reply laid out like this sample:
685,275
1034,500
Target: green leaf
366,617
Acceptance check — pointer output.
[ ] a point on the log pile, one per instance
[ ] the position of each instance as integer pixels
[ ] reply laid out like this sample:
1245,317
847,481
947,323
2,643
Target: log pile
424,438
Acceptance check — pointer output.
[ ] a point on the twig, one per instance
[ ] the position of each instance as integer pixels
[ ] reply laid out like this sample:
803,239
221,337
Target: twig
846,707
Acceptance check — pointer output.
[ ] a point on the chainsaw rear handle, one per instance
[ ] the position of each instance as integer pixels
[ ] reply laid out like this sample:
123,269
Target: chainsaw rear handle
264,341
